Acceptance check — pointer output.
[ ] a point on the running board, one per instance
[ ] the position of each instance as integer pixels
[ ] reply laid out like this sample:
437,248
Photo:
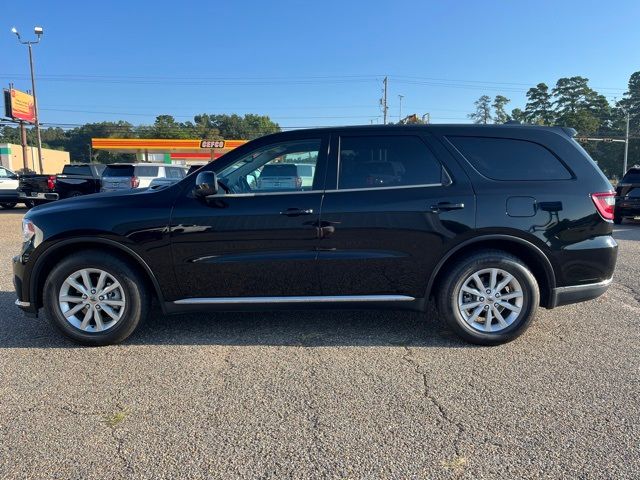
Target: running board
310,299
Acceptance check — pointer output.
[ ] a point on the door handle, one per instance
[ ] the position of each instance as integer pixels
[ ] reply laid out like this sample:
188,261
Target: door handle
446,206
296,212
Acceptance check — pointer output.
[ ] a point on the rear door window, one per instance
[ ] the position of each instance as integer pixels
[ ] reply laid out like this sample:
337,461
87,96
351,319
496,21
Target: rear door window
118,171
386,161
510,159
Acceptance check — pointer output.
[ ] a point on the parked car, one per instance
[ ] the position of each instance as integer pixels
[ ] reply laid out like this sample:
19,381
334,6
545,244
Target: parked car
279,176
491,222
306,172
8,188
76,179
628,196
127,176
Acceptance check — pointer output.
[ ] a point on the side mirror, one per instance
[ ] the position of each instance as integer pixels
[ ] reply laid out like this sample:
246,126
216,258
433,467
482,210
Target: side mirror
206,184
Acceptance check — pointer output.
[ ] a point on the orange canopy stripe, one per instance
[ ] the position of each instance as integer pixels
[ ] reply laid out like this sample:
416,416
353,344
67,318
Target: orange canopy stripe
115,144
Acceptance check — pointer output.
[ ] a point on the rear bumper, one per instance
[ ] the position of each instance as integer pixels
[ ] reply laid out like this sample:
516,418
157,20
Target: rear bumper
578,293
38,196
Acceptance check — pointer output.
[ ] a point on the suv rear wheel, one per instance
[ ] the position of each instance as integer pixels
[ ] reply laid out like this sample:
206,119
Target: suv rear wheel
489,297
95,298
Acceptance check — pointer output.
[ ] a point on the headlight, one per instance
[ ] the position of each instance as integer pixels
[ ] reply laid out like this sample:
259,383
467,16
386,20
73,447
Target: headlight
28,230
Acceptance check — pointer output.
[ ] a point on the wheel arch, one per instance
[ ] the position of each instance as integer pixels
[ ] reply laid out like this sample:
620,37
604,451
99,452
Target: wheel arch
45,263
529,253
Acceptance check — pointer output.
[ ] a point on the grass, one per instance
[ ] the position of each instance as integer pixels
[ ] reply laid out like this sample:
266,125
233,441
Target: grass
114,419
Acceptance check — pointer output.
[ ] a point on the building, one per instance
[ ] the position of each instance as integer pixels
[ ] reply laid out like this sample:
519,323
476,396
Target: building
52,160
179,151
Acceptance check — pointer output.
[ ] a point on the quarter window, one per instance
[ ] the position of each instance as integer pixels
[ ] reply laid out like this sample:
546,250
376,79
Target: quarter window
386,161
146,171
510,159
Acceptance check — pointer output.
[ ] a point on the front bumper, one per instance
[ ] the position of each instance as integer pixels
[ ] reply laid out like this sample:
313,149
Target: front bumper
38,196
23,302
578,293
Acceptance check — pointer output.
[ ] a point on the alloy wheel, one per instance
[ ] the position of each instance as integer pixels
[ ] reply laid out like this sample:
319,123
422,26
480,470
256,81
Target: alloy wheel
92,300
490,300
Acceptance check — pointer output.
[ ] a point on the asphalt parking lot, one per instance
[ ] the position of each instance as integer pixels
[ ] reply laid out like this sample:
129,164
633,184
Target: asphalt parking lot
345,395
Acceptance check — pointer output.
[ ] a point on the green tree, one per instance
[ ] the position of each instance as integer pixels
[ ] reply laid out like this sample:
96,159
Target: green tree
518,115
539,109
483,110
500,115
577,105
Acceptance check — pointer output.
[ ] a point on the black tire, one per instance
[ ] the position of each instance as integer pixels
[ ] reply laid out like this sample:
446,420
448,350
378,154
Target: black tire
135,309
455,277
617,220
8,206
29,204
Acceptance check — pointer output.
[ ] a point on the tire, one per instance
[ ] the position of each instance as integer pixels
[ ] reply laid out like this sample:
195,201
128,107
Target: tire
29,204
617,220
8,206
512,324
131,292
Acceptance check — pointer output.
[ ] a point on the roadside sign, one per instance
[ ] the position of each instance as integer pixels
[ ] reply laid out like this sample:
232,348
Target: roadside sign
19,105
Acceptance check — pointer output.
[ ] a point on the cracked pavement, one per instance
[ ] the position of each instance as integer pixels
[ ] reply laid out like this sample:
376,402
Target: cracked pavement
312,395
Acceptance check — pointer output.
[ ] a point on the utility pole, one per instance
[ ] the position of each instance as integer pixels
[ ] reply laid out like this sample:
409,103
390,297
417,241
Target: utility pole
38,31
626,147
400,113
23,142
383,100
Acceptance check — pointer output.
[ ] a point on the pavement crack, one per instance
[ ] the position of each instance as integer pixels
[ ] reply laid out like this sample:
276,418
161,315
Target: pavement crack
429,395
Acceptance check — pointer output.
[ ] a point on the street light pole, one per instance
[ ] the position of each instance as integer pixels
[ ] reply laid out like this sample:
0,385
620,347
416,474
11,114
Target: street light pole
38,31
400,112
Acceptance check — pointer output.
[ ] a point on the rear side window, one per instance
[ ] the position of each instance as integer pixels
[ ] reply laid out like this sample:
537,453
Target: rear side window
173,172
146,171
510,159
386,161
118,171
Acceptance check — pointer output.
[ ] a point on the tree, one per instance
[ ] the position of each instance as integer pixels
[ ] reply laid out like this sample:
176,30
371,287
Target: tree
517,115
577,105
500,115
483,110
165,126
539,109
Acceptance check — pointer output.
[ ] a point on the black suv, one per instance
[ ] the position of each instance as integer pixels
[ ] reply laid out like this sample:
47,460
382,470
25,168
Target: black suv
628,196
490,221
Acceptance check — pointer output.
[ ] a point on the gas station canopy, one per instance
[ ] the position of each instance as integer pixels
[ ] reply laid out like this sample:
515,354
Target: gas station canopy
173,150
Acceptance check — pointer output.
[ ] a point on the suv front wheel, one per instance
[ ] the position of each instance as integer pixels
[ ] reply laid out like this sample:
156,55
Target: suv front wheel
489,297
95,298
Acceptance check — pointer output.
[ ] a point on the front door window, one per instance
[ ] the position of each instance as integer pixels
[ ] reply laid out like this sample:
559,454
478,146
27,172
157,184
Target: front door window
281,167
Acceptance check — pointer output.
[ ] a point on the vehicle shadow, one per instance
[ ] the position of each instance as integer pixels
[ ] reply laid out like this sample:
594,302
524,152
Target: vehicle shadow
386,328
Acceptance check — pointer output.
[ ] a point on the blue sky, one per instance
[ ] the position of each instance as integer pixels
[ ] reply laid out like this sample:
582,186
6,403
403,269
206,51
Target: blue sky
309,63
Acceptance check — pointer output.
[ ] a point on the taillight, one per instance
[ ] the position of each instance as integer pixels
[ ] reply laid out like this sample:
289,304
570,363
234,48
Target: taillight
605,203
298,182
51,182
135,182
